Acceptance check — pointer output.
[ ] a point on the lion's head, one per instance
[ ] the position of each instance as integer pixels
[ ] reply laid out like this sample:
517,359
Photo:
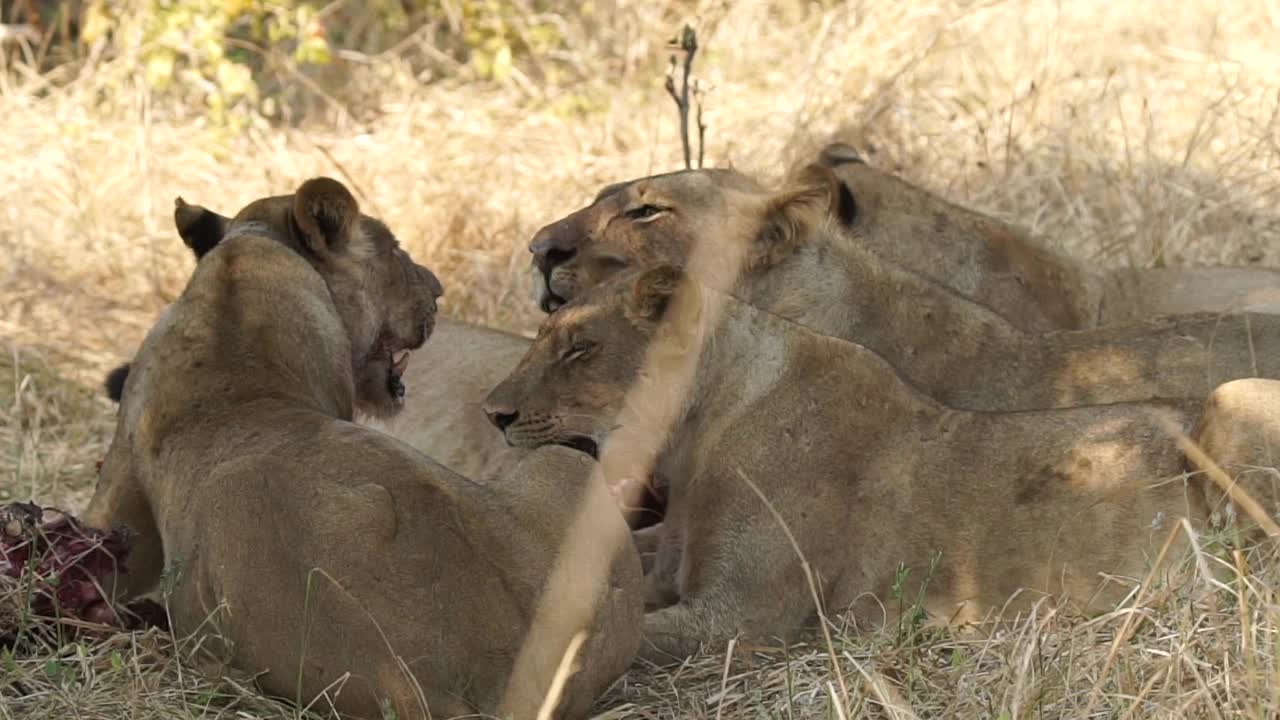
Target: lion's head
578,370
659,218
571,384
387,302
979,256
637,223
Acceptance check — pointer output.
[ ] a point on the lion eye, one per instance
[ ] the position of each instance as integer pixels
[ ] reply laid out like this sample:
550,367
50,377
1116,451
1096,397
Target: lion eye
611,262
577,350
644,212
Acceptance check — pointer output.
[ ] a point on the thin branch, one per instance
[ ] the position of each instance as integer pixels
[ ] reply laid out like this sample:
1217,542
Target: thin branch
702,126
688,43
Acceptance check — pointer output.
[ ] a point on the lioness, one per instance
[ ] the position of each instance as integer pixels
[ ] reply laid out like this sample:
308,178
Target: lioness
978,257
808,261
1005,269
441,415
870,475
324,555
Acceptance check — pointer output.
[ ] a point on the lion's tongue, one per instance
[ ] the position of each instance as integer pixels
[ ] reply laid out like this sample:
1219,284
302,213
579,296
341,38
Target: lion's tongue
398,366
394,384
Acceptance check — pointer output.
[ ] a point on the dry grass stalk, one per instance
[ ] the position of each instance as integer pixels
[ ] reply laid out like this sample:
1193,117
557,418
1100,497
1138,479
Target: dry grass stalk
1237,494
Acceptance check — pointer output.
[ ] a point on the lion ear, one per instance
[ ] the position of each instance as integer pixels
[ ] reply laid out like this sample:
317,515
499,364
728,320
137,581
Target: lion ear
327,213
842,206
838,153
200,229
114,382
812,195
651,292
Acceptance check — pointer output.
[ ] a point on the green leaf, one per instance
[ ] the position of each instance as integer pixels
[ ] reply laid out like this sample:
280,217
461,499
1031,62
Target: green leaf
160,68
95,24
501,66
171,576
313,51
235,80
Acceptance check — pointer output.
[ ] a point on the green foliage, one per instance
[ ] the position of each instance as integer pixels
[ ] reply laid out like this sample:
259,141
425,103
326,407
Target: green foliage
911,613
213,48
238,56
497,31
171,577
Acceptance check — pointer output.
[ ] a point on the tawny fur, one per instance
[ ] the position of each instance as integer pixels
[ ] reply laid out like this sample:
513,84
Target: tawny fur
1004,268
1239,431
987,512
447,383
304,546
804,264
962,352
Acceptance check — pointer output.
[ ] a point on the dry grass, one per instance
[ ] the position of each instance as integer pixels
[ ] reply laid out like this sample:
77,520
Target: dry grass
1125,133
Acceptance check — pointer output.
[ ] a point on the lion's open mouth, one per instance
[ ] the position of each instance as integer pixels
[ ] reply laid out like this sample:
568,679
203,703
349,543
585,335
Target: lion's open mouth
582,443
397,363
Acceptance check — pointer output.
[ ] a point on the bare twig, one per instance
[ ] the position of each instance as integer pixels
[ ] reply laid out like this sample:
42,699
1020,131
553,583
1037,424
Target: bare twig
14,33
688,43
702,126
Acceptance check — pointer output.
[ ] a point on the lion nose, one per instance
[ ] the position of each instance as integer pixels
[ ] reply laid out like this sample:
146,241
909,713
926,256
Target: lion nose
550,247
501,416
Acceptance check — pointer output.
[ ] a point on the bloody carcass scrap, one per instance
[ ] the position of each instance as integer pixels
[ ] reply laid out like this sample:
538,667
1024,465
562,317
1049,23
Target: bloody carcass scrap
57,564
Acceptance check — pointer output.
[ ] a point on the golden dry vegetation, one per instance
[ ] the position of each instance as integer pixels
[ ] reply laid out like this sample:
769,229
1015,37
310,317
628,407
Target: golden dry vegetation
1132,132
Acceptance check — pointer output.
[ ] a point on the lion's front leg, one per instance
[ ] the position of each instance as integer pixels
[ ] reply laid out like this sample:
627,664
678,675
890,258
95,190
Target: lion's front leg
663,565
119,501
677,631
647,542
738,576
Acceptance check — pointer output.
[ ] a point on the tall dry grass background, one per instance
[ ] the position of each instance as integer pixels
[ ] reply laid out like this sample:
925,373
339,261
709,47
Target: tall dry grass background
1136,132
